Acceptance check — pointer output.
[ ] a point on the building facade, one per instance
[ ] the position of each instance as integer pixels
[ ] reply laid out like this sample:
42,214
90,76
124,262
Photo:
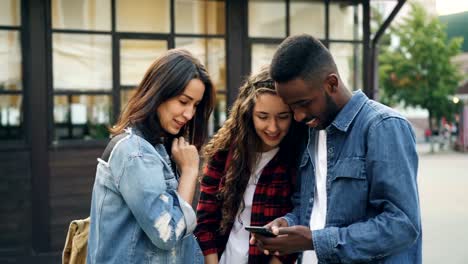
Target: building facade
68,67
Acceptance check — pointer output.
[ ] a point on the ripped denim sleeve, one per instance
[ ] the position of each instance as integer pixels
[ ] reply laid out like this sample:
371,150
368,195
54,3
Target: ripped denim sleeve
189,215
163,215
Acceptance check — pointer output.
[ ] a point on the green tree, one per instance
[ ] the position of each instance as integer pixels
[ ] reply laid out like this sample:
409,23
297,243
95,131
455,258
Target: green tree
418,72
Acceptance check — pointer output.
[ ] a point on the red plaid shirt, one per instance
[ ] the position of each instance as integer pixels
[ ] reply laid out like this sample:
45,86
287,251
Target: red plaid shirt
272,199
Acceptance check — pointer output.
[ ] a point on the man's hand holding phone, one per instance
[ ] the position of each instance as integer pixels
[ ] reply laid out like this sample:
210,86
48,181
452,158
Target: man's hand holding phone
260,230
273,228
287,240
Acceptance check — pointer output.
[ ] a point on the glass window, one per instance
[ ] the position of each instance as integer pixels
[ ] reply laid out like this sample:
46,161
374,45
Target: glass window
82,62
379,11
10,61
212,53
10,12
200,17
349,62
11,76
267,18
342,21
11,116
82,116
135,58
307,17
218,117
262,55
125,95
143,16
81,14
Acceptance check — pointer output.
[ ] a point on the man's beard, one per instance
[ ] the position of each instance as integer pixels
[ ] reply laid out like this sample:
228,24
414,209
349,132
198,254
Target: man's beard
331,111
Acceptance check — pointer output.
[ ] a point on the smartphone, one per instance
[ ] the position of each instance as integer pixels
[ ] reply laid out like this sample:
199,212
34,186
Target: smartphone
260,230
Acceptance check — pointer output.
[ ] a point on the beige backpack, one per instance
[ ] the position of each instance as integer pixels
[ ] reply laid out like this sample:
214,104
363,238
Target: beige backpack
76,244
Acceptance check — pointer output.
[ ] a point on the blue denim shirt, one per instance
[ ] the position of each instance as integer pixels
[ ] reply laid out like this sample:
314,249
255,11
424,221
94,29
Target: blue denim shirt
373,212
136,214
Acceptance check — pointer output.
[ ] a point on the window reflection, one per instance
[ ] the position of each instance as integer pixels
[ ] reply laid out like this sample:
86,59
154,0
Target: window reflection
211,52
11,116
11,84
342,21
125,95
143,16
81,14
267,18
82,62
10,61
219,114
10,12
307,17
200,16
81,116
262,55
348,60
135,58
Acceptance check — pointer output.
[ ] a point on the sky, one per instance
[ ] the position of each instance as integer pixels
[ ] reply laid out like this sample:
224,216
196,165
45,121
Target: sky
445,7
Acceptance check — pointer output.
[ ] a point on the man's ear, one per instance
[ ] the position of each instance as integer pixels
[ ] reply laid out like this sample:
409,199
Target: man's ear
331,83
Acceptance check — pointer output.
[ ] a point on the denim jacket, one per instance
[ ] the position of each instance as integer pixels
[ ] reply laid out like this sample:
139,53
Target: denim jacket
373,212
137,216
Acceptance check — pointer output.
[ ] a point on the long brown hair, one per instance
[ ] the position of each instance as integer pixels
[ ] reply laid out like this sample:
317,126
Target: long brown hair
166,78
238,136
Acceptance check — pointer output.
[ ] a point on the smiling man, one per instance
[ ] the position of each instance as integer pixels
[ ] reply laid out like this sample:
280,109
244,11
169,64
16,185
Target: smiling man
357,199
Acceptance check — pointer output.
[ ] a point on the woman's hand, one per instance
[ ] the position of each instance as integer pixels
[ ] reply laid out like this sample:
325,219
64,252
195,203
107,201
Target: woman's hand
185,156
187,159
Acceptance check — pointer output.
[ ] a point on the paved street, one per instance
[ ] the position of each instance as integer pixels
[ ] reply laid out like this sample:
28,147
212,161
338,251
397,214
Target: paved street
443,187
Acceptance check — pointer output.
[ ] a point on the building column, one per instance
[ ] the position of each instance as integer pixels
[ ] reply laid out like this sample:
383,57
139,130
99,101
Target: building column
37,99
236,46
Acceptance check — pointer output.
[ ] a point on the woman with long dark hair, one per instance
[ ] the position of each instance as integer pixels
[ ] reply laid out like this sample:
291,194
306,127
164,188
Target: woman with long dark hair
145,180
249,173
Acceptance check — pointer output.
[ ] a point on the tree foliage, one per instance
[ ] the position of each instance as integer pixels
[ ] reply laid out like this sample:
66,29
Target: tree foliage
418,72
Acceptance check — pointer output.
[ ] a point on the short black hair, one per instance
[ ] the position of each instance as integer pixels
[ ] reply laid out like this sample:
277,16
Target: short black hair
301,56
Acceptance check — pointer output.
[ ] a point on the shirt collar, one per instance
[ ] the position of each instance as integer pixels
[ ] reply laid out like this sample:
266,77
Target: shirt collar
347,114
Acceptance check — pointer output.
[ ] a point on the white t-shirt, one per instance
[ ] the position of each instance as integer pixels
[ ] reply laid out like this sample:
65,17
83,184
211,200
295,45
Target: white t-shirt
237,247
319,211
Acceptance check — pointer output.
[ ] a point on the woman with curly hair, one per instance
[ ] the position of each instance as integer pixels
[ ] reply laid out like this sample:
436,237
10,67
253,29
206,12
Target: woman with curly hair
249,174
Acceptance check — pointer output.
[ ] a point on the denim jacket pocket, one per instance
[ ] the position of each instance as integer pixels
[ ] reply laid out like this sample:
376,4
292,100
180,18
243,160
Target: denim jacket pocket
347,191
350,168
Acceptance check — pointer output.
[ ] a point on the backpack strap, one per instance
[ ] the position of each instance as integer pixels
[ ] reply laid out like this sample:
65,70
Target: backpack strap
110,146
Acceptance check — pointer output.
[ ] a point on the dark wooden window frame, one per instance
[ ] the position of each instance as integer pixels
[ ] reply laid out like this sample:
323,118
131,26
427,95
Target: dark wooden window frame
116,36
327,40
22,142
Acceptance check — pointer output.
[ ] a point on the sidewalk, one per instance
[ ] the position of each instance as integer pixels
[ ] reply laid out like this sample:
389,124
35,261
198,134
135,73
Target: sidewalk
442,178
424,148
